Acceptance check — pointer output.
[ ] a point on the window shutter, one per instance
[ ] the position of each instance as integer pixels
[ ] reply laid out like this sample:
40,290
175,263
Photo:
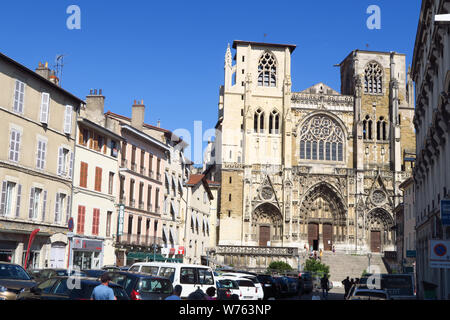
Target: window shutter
31,212
45,101
43,154
57,208
3,200
79,220
68,120
44,205
98,179
16,151
71,165
60,160
68,209
19,96
19,196
38,155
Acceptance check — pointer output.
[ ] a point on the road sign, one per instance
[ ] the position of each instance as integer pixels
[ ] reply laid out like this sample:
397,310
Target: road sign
121,219
439,254
410,253
70,224
445,212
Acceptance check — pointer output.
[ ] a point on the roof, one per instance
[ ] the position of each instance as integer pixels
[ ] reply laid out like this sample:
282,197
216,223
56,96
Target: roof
264,44
39,77
101,129
195,179
324,87
149,126
406,183
145,136
371,52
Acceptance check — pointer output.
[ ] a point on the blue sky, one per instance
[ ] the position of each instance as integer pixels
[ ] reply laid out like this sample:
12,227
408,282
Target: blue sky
171,53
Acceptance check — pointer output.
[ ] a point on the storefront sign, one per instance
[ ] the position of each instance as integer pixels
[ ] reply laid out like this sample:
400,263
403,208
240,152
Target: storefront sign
410,253
87,245
440,254
445,212
121,219
177,250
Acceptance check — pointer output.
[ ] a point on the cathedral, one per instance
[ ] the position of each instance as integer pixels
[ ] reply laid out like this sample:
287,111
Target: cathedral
318,168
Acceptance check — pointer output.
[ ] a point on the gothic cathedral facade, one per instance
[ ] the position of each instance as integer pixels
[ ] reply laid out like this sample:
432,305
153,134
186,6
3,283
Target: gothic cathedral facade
315,168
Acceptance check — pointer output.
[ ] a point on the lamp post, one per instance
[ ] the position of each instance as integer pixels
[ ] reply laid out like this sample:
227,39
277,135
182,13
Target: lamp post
369,255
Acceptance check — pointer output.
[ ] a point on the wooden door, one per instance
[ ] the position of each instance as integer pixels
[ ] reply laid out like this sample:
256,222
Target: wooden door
313,233
264,235
375,241
327,232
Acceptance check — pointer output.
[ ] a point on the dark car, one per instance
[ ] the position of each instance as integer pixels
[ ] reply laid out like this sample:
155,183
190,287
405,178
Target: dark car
94,273
307,282
58,288
141,286
292,284
281,285
45,274
13,278
269,285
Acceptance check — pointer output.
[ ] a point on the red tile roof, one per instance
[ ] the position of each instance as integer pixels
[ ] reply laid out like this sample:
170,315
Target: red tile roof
195,179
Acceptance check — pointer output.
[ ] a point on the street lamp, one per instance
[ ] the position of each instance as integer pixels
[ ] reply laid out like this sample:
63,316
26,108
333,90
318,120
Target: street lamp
369,255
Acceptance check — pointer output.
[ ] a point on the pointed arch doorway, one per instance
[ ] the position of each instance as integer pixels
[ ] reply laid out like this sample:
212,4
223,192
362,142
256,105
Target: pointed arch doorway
268,222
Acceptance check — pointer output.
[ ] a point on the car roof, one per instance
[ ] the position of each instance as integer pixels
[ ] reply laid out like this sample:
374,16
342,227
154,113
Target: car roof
139,274
164,264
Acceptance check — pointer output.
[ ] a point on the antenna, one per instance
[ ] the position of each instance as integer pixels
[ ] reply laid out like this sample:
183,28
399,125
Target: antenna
59,66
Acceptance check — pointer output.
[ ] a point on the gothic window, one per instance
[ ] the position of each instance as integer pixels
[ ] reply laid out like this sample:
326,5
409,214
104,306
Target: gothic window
367,128
373,78
259,121
381,129
321,138
267,70
274,122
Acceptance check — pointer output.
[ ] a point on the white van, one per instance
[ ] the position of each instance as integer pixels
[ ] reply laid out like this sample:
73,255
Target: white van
189,276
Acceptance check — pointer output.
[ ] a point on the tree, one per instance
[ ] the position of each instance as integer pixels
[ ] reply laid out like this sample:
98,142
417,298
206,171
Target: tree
279,266
315,266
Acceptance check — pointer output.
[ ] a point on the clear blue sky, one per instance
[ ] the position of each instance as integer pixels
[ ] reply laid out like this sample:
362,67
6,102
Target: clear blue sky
171,53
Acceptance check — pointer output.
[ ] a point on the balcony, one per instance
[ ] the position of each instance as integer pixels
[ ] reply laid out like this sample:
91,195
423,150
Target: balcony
149,207
157,209
141,205
123,200
139,240
124,163
158,176
143,169
151,174
256,251
132,203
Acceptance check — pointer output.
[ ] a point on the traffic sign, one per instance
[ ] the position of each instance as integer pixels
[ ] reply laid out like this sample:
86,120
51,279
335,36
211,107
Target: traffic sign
439,254
70,224
445,212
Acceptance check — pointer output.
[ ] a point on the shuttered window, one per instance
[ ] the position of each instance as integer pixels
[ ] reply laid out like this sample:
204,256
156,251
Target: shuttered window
19,197
14,145
95,222
45,103
80,222
68,120
98,179
83,174
19,95
41,154
44,205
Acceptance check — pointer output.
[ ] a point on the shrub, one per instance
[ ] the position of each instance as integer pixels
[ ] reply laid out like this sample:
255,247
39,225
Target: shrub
316,267
279,266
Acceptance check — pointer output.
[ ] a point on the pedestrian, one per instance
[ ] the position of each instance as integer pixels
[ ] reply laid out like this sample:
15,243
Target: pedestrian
315,255
301,285
352,282
334,249
325,286
347,284
210,293
321,254
103,291
176,295
197,295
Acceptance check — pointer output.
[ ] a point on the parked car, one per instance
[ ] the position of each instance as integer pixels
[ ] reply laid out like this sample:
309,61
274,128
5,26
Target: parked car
189,276
307,282
282,289
363,293
292,285
250,276
45,274
399,286
13,279
94,273
268,285
248,289
226,287
57,289
141,286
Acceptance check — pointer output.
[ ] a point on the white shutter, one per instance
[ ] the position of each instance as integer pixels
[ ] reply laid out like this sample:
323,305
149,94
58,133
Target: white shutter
57,208
3,199
39,155
68,120
71,165
16,151
19,196
69,205
12,144
60,160
21,96
44,205
43,154
31,211
19,93
45,102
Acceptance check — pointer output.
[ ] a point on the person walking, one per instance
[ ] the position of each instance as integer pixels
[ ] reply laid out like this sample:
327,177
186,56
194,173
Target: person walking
325,286
347,285
210,293
320,255
176,293
301,285
103,291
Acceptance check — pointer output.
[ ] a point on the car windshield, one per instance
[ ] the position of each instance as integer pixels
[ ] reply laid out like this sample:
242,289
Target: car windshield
148,285
245,283
228,284
13,272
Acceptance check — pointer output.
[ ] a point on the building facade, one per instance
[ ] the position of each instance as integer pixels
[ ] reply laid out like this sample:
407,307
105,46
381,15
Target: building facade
36,164
431,73
314,168
408,254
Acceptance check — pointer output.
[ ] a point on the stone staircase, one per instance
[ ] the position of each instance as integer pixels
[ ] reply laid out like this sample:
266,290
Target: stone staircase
344,265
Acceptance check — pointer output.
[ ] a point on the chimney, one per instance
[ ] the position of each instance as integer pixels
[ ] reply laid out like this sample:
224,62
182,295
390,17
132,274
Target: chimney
95,106
43,70
138,114
53,78
158,124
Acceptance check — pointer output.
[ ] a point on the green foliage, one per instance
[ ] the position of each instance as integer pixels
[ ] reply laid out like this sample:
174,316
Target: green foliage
279,266
316,267
364,274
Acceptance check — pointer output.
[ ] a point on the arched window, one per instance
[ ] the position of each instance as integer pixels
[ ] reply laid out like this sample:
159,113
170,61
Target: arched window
382,129
274,122
259,121
267,70
373,78
367,128
321,138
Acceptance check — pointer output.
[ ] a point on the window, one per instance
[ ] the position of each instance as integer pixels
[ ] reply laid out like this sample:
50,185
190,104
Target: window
98,179
114,149
111,183
187,276
68,120
381,129
80,222
41,154
267,70
83,174
7,199
321,138
108,223
373,77
14,145
45,103
35,199
149,198
95,222
205,277
65,162
259,121
59,205
19,95
132,193
274,122
84,136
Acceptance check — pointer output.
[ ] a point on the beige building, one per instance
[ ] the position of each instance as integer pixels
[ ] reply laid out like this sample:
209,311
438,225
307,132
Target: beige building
316,168
94,188
36,164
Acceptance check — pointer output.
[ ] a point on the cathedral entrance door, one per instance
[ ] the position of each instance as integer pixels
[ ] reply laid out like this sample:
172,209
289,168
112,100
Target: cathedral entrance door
313,236
264,235
327,231
375,241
